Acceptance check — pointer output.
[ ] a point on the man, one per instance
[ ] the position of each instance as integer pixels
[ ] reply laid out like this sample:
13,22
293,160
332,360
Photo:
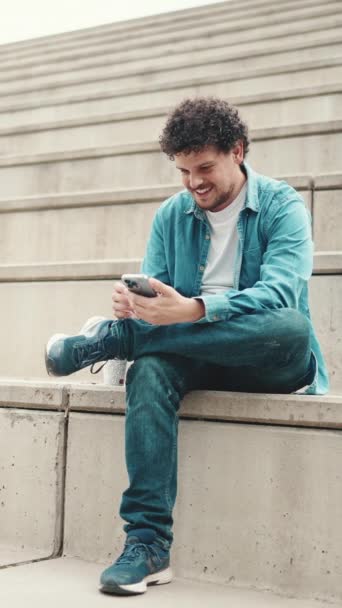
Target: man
230,258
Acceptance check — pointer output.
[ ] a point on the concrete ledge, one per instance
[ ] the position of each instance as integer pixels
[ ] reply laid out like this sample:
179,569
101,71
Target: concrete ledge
301,130
29,394
329,262
290,410
167,86
222,56
329,181
99,198
127,48
117,197
154,20
160,112
94,36
321,411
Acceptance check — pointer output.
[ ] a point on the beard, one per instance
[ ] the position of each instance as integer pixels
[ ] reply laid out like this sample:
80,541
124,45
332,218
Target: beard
219,201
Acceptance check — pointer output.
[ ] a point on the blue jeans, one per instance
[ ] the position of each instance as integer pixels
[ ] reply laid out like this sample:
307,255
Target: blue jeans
265,352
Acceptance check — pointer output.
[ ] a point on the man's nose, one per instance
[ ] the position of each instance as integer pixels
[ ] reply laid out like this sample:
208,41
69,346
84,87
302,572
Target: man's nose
195,181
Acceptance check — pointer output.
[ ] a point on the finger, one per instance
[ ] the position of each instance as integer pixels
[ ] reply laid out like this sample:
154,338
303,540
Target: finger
160,287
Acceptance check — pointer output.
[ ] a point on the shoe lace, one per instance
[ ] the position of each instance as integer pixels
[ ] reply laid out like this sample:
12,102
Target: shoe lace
86,354
131,552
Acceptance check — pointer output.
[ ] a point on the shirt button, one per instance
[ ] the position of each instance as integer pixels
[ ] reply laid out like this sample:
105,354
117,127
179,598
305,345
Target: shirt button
216,318
207,237
201,268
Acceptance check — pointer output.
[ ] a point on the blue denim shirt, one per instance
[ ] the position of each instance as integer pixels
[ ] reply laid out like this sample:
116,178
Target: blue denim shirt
273,264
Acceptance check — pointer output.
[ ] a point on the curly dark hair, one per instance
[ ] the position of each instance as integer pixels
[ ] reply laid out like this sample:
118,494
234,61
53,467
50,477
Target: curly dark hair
203,121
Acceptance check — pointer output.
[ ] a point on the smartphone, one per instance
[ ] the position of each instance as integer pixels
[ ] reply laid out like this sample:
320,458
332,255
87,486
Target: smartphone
138,283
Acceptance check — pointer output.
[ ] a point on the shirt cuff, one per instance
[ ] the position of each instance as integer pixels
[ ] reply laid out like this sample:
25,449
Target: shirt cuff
216,308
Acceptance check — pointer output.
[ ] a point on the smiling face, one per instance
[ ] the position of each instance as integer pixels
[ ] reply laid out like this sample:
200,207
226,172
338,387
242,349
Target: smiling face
214,178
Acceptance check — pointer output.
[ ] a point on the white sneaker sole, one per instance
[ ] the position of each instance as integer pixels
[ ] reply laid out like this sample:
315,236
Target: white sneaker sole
157,578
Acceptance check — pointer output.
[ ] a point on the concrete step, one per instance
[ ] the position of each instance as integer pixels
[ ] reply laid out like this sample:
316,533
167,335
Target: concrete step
293,436
280,557
106,225
40,300
69,581
153,45
277,80
308,148
298,106
162,24
32,447
296,48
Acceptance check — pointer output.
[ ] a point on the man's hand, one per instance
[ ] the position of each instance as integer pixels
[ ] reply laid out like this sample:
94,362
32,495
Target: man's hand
120,302
167,308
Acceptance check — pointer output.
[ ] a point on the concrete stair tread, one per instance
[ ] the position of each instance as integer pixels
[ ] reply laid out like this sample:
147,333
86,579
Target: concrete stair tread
70,582
186,61
60,99
154,43
325,262
318,411
139,194
165,21
162,111
302,130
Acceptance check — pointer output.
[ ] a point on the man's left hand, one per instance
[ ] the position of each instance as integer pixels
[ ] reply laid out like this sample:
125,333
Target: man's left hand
168,307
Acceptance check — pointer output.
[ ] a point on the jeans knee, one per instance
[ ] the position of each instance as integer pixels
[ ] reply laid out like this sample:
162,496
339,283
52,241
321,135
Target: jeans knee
154,379
294,327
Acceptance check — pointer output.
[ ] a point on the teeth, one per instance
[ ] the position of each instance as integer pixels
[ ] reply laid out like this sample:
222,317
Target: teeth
202,191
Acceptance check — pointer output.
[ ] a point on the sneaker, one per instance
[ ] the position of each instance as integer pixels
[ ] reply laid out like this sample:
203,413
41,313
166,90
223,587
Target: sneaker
65,354
144,561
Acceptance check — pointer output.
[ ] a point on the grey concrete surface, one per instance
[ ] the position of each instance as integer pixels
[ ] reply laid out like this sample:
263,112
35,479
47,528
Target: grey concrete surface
151,45
158,25
276,493
108,232
328,219
26,394
290,410
108,99
63,306
325,44
266,111
31,448
308,148
71,582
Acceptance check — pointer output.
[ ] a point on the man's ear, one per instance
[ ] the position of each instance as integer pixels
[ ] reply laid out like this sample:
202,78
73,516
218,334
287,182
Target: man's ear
238,152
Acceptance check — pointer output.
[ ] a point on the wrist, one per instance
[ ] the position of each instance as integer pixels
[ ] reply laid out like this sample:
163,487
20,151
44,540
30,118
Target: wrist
196,310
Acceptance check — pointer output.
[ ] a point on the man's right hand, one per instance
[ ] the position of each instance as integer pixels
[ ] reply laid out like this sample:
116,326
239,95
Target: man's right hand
120,303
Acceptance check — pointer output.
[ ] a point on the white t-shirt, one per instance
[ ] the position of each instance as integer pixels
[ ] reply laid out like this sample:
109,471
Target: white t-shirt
219,272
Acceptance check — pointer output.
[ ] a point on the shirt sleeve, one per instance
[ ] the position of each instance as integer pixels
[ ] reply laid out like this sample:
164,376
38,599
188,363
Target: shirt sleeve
286,266
154,263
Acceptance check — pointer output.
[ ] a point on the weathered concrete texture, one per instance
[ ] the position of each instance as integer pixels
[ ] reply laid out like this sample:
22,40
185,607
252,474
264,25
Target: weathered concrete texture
257,506
290,410
125,46
326,308
144,126
118,231
328,220
244,82
71,582
309,149
31,469
29,394
38,310
88,233
181,66
63,306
